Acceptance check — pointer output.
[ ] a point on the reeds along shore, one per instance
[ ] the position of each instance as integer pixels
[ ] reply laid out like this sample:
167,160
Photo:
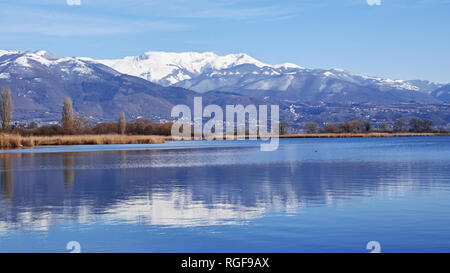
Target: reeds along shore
17,141
370,134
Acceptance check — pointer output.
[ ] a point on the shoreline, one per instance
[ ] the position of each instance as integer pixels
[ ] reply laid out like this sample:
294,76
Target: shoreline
371,134
15,141
9,141
335,135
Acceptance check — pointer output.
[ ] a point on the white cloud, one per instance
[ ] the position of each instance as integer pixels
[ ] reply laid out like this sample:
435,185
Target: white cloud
67,24
374,2
73,2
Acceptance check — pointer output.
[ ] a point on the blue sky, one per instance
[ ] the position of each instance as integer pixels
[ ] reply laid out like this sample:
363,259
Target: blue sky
402,39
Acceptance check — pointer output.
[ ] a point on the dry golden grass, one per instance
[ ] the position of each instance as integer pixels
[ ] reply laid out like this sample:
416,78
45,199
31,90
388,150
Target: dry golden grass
16,141
10,141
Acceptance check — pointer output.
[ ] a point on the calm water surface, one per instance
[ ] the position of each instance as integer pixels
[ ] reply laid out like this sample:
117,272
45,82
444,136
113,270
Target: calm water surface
311,195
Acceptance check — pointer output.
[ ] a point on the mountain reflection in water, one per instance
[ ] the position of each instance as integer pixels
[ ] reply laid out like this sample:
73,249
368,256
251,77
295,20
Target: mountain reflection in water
203,187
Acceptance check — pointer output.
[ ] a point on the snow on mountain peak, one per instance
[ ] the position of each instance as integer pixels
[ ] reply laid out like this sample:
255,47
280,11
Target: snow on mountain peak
288,66
168,68
47,55
207,71
7,52
30,59
41,52
171,68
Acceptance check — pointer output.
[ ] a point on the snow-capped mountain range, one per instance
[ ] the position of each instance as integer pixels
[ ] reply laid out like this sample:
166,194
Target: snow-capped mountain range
207,71
150,84
39,82
23,63
168,68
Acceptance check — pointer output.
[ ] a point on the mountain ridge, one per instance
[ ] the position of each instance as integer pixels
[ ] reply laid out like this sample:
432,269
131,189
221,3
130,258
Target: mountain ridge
201,72
176,72
40,81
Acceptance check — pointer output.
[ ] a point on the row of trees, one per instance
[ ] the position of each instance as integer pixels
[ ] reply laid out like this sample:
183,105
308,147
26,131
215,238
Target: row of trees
415,125
71,125
136,127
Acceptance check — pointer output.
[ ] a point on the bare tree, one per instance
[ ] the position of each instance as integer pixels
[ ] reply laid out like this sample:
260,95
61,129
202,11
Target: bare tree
400,125
356,126
6,109
310,127
67,114
284,128
384,127
421,125
81,122
330,128
416,124
367,126
122,123
427,125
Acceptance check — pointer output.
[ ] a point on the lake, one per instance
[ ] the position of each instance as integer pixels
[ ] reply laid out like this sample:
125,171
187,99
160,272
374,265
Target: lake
311,195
